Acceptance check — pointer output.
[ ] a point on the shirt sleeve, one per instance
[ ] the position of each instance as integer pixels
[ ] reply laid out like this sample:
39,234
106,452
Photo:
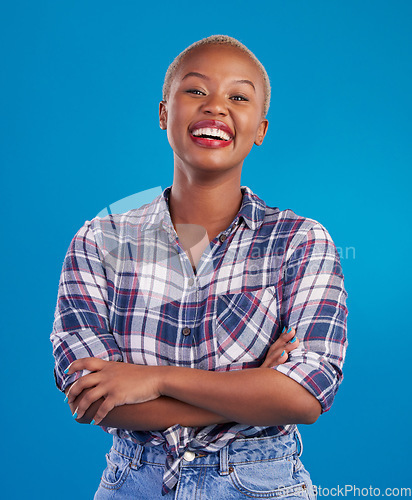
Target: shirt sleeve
314,303
81,325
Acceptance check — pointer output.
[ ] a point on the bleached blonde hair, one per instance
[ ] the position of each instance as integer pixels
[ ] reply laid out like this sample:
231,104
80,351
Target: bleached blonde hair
217,40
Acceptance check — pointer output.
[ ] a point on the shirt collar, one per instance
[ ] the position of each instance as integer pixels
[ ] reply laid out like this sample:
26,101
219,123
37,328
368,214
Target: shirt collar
252,210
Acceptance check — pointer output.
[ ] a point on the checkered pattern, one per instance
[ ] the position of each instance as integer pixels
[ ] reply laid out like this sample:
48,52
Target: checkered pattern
127,291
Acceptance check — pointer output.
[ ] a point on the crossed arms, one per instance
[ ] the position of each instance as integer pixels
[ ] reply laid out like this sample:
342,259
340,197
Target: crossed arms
140,397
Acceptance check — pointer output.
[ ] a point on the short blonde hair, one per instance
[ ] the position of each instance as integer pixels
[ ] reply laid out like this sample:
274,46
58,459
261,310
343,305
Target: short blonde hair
217,40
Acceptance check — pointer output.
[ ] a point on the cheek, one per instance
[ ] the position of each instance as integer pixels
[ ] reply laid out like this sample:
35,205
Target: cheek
173,125
249,131
176,117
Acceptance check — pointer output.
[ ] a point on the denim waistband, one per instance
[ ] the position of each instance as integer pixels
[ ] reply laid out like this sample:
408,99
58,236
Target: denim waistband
239,451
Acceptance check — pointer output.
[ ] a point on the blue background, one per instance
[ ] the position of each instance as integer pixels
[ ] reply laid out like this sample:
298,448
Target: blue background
80,86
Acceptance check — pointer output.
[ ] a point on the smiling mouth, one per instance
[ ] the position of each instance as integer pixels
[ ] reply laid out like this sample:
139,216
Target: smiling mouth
211,133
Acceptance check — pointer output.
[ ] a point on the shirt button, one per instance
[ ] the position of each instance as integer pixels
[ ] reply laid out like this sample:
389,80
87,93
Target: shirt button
189,456
222,238
190,281
186,331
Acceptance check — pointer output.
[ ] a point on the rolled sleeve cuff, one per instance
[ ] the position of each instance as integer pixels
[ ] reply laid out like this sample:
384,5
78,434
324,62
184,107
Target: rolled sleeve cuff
315,374
82,343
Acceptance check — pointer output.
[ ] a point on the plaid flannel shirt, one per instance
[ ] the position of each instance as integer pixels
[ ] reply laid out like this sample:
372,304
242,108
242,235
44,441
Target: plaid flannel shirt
128,293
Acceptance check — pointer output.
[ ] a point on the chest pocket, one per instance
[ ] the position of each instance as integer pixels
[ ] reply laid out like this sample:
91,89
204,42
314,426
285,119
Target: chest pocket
245,326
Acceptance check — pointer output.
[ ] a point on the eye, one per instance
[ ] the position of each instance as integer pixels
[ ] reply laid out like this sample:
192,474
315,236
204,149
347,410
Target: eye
239,98
195,92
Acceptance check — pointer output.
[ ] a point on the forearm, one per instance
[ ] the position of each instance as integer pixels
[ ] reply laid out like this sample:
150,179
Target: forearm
257,396
156,415
141,397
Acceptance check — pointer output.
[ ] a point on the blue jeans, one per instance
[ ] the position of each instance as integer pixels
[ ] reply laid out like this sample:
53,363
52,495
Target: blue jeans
262,467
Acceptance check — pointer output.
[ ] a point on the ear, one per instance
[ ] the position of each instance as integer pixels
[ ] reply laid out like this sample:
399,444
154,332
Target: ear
163,115
261,132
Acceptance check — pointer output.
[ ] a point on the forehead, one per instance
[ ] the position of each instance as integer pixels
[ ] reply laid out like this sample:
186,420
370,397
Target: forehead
222,61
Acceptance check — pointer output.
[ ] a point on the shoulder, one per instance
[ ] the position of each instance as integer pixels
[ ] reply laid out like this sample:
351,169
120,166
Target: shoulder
125,226
303,245
295,238
283,230
292,229
287,222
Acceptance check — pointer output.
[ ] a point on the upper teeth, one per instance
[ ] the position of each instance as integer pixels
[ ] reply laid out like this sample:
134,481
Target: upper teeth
214,132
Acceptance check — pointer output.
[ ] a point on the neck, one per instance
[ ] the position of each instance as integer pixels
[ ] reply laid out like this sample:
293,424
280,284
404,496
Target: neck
212,205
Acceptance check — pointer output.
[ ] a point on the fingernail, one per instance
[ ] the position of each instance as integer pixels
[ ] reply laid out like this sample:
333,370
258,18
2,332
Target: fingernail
290,329
65,399
293,340
66,370
75,414
284,328
92,422
283,353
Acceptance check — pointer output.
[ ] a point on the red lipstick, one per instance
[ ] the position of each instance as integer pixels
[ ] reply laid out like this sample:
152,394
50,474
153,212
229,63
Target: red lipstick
211,134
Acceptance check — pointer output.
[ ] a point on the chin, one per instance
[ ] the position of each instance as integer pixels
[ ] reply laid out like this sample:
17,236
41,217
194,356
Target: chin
213,167
213,163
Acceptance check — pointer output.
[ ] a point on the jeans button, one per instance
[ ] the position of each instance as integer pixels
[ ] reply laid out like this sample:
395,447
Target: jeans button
189,456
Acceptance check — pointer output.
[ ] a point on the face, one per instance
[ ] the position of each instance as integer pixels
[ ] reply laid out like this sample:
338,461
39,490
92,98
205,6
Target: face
214,112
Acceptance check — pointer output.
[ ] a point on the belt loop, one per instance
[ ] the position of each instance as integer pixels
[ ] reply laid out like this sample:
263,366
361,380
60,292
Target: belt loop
136,462
299,444
224,461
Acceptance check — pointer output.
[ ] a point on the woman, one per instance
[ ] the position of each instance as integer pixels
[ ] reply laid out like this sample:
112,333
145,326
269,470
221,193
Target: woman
228,316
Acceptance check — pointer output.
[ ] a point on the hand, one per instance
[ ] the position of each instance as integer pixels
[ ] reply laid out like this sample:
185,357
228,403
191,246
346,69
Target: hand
118,383
278,352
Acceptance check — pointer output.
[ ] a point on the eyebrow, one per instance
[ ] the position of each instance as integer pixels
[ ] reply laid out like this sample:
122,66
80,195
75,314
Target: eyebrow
200,75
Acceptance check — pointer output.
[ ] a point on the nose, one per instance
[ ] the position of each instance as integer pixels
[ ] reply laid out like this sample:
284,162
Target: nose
215,105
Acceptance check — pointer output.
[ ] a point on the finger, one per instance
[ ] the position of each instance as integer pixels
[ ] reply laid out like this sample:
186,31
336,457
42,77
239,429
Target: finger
86,399
85,382
288,334
279,352
288,349
281,341
105,407
279,359
285,342
292,344
91,364
276,357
